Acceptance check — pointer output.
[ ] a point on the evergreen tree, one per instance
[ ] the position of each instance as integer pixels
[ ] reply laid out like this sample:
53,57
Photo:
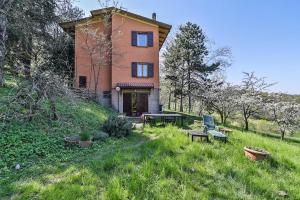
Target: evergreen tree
174,71
187,61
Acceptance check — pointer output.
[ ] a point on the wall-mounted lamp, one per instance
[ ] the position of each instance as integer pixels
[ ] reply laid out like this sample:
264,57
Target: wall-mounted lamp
118,89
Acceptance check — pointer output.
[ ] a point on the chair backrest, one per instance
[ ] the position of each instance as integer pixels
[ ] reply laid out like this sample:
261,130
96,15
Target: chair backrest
208,120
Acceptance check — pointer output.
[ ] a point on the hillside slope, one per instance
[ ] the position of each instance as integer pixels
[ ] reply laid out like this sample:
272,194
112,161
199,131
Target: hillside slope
27,143
163,163
156,163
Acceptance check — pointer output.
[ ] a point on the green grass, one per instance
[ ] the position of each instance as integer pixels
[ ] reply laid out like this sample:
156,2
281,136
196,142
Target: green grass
297,134
162,163
158,163
262,127
26,143
41,141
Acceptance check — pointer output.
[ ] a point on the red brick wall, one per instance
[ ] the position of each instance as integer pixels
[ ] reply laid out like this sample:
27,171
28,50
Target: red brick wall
124,54
83,42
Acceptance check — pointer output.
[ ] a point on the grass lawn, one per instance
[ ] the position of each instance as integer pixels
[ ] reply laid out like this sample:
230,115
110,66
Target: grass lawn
162,163
262,127
158,163
297,134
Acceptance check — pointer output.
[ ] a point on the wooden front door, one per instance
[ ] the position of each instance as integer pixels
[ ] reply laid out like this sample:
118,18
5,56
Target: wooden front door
127,104
141,103
135,104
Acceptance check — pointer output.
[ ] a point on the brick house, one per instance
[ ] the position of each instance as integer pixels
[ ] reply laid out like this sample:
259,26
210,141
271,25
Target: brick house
129,81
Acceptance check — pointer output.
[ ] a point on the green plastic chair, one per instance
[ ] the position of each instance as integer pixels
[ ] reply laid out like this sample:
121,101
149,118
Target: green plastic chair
212,129
209,123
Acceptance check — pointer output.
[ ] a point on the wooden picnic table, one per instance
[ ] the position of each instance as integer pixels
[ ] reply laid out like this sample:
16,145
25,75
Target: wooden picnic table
162,116
225,130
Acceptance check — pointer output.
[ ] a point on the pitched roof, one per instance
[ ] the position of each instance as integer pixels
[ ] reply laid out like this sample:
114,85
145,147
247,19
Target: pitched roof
135,85
164,29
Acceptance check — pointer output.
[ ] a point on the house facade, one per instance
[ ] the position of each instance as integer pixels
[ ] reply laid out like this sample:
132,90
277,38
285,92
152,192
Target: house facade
117,57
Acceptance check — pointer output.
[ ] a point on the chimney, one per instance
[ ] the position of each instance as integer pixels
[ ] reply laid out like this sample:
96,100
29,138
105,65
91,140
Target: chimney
154,16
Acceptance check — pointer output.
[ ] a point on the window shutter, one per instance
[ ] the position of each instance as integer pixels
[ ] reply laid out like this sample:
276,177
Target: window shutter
134,69
150,70
134,38
150,39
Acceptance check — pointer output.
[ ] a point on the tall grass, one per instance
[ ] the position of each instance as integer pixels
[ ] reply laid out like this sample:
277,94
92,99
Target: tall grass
163,163
158,163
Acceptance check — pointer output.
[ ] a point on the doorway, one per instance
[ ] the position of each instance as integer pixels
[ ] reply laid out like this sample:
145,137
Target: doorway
135,104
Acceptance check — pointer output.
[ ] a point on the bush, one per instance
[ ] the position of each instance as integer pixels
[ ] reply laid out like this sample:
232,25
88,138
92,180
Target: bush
100,136
85,136
117,126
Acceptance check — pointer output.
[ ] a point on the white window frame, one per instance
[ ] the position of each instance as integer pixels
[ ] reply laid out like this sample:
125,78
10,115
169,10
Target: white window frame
142,70
139,40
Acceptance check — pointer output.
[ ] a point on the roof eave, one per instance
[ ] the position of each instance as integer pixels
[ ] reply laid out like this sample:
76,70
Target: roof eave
161,25
69,27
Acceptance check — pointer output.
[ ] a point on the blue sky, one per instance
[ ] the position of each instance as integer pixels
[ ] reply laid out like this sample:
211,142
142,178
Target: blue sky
264,35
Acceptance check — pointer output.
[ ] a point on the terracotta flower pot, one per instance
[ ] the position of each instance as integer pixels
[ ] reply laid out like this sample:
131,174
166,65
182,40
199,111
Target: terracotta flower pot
255,153
85,144
72,140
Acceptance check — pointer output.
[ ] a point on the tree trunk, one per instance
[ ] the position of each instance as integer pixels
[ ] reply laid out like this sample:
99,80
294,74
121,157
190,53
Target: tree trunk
27,73
53,109
3,37
246,123
175,103
181,93
225,119
189,91
222,117
181,103
245,119
1,73
27,58
169,101
200,110
31,113
175,97
282,135
190,102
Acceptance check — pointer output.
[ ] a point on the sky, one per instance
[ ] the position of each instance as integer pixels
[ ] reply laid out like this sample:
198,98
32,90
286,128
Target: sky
264,35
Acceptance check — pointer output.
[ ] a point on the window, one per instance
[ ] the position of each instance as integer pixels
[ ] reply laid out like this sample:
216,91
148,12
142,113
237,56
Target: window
82,81
142,39
106,94
142,70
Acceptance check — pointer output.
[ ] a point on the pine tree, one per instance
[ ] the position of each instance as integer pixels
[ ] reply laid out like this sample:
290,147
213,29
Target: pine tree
186,59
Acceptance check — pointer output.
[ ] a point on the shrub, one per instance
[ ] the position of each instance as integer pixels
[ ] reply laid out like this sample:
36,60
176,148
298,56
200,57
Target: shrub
84,136
117,126
100,136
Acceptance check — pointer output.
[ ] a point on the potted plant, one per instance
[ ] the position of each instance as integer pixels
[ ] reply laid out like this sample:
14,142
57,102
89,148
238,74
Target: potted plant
71,140
255,153
85,140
